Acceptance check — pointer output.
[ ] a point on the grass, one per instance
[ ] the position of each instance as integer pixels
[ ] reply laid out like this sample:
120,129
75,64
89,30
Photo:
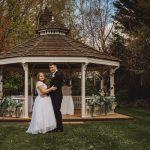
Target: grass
112,135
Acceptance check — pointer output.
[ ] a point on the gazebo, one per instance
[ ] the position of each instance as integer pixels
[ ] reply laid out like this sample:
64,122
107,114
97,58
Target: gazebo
54,44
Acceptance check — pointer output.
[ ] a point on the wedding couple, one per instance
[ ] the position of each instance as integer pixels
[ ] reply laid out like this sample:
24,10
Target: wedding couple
46,115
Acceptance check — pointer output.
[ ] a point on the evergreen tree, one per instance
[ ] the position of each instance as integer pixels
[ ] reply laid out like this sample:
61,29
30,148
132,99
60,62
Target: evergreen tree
133,19
132,14
132,45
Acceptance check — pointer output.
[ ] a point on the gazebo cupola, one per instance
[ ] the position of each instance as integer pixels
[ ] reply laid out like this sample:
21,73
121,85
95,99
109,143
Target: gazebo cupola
48,25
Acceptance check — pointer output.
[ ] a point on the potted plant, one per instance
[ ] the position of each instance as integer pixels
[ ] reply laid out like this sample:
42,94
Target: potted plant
107,104
91,103
18,110
10,107
4,105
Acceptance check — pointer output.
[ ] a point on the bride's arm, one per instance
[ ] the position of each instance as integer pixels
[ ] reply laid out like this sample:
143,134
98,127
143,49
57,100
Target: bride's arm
45,91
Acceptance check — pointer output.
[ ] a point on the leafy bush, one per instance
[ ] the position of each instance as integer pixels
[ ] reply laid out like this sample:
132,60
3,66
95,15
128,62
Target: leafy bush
8,106
105,103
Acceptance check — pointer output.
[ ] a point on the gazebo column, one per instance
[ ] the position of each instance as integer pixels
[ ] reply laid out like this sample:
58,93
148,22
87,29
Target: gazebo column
26,70
70,82
31,103
83,71
102,86
1,82
94,78
112,81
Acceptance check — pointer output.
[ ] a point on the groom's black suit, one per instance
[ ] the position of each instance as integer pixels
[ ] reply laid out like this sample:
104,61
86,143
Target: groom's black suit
56,96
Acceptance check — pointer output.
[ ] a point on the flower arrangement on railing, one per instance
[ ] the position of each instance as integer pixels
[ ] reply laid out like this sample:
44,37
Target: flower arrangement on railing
10,107
105,103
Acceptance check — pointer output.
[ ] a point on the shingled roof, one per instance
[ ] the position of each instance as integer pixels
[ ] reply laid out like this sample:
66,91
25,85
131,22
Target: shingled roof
54,45
53,41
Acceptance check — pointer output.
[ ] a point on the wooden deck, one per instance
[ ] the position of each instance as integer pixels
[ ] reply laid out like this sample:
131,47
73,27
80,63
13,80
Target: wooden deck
74,118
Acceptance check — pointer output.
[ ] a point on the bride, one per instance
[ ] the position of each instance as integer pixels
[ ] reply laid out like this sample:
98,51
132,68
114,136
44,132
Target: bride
43,117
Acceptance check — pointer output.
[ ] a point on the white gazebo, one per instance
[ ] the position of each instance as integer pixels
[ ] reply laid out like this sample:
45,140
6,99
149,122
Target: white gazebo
53,44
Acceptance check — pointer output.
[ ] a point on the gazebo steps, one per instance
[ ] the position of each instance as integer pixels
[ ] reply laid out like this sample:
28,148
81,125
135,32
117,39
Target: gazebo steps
74,118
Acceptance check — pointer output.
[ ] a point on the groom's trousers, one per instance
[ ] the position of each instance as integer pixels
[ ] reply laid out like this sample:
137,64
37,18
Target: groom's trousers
56,102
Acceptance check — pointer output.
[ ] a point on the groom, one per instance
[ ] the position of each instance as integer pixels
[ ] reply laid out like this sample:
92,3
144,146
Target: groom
56,95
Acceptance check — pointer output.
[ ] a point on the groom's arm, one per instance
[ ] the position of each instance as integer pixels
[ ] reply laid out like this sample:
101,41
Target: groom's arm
43,91
59,79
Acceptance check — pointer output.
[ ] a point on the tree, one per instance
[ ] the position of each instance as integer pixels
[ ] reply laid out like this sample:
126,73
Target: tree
117,46
94,22
132,45
132,14
18,14
19,18
134,21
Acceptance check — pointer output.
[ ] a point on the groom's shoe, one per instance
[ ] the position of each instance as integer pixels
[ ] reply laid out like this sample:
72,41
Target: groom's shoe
60,130
57,130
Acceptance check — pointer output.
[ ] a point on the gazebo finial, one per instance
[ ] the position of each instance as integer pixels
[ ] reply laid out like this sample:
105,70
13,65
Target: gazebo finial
45,17
49,25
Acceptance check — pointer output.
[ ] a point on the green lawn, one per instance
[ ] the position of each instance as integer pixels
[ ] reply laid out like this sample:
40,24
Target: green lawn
112,135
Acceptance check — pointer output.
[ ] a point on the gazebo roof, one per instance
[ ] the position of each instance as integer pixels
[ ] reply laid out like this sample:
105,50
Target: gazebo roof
54,45
53,41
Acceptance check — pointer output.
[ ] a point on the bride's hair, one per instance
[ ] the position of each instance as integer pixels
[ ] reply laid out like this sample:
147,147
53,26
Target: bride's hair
38,75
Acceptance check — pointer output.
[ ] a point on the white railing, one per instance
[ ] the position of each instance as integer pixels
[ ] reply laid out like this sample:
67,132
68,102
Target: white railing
77,101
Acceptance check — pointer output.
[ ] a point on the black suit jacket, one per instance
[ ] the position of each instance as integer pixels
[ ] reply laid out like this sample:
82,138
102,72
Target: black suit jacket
57,81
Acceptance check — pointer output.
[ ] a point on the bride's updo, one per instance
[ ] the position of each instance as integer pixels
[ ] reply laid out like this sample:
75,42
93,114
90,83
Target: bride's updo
38,75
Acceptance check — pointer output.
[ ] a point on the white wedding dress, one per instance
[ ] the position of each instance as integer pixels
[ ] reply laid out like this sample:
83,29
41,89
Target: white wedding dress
43,117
